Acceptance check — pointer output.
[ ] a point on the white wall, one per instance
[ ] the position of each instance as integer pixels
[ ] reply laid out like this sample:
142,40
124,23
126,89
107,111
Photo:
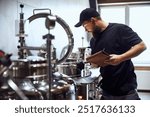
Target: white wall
68,10
143,79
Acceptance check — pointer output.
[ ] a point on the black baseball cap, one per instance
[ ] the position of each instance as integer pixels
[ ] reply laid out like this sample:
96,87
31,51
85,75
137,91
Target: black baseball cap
87,14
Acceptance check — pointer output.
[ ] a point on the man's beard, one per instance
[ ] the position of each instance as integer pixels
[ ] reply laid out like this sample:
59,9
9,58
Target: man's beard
97,31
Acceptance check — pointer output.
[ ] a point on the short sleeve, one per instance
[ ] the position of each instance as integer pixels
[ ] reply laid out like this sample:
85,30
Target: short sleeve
128,37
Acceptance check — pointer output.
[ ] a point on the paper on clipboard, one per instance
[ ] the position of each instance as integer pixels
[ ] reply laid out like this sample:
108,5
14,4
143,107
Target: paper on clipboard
98,58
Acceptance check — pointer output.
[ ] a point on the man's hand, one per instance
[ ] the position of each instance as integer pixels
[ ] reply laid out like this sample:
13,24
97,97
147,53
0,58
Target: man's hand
114,59
94,65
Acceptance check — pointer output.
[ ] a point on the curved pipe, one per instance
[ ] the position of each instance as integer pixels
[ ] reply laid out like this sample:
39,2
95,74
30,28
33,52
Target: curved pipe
65,27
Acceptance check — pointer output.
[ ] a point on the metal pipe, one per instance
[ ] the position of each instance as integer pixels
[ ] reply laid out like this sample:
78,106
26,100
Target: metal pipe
32,48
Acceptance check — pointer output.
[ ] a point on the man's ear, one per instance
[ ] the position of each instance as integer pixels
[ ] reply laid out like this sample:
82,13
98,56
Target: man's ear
92,18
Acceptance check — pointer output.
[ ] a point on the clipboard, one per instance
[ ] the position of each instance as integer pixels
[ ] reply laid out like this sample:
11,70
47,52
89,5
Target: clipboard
98,58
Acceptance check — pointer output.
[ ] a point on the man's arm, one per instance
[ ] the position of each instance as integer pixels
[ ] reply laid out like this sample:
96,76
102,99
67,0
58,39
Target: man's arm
133,52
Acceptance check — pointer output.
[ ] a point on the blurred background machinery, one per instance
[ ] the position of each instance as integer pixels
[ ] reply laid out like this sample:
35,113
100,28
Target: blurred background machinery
44,76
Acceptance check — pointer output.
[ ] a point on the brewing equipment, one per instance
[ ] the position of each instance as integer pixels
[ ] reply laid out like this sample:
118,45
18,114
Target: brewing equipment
33,67
44,77
34,75
22,53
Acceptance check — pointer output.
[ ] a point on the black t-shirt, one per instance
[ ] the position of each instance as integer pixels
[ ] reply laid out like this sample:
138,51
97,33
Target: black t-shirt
116,39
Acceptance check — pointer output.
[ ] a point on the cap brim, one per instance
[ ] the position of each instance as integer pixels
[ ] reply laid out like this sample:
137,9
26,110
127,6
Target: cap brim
78,24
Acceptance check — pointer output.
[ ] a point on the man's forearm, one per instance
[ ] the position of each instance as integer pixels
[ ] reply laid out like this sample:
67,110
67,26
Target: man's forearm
134,51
